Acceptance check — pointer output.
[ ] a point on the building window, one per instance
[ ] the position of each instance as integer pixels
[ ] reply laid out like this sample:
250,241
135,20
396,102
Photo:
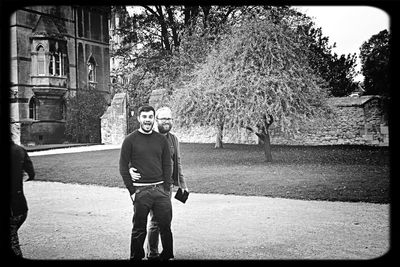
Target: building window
56,66
50,58
41,60
32,109
91,70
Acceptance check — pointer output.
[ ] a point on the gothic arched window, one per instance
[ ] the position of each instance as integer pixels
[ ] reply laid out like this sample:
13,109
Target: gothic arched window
32,109
41,60
91,69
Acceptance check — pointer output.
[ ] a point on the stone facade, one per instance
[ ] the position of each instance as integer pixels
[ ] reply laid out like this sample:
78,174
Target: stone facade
157,97
55,50
207,134
114,126
355,121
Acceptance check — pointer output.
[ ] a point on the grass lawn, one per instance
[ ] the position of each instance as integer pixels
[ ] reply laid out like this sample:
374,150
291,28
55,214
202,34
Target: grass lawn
335,173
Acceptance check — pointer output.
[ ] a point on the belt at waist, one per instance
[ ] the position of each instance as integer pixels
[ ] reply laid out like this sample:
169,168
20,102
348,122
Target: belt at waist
146,187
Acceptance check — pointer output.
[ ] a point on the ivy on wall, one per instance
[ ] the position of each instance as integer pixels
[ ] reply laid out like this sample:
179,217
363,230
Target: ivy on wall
84,110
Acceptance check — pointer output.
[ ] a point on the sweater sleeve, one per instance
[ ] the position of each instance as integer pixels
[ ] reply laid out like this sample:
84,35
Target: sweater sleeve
166,165
124,161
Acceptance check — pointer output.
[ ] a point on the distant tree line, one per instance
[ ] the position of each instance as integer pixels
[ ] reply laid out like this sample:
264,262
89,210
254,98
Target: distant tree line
375,61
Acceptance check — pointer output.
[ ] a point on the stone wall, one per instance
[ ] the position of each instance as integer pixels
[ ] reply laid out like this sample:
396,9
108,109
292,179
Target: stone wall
345,127
355,121
114,121
207,134
376,130
42,132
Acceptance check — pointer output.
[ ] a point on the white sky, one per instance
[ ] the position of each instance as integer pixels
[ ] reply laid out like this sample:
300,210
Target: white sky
348,26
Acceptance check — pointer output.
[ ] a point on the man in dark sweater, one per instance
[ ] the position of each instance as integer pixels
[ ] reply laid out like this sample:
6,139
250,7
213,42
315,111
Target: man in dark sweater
164,124
148,152
20,163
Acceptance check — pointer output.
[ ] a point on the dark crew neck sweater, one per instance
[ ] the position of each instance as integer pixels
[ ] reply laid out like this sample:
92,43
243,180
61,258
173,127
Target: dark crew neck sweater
150,155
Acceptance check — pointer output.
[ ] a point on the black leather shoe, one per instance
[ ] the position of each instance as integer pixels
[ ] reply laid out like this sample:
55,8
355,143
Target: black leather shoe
165,257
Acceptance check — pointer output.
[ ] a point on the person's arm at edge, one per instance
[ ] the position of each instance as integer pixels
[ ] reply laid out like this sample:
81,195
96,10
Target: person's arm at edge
166,165
124,160
28,167
182,181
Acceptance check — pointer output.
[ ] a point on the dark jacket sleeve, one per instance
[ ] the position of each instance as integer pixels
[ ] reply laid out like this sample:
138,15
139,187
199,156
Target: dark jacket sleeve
166,165
181,179
124,163
28,166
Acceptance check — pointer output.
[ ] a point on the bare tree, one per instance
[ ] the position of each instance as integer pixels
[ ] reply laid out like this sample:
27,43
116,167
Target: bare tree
263,134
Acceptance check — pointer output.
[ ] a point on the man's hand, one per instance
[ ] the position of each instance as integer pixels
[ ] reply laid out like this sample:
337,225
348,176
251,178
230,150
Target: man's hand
25,176
134,175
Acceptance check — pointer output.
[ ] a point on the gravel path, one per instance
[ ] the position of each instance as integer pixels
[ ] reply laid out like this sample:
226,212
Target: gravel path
70,221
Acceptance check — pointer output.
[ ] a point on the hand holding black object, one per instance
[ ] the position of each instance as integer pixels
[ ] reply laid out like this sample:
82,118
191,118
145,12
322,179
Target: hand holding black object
181,195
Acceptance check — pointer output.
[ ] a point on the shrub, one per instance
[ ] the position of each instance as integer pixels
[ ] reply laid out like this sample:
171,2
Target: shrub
83,116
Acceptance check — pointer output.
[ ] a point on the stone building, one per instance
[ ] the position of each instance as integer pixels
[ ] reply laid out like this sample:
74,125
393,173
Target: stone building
114,122
55,51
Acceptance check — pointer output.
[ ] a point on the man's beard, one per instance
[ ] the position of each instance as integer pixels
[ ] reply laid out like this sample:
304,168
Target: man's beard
144,125
161,128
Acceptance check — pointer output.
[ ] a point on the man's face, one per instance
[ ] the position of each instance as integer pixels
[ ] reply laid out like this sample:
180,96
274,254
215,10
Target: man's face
146,120
164,121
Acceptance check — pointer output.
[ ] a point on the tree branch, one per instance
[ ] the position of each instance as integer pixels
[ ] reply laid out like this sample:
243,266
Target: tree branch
140,79
226,15
267,122
261,134
150,10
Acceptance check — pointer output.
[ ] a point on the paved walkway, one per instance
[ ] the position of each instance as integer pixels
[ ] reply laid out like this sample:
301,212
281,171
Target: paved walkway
70,221
62,148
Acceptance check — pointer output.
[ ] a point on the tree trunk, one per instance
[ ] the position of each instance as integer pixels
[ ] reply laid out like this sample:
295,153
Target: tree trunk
171,21
218,140
206,12
267,148
164,29
263,136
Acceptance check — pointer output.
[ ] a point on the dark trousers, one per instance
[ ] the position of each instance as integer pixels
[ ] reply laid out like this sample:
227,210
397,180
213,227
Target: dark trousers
153,235
15,224
159,202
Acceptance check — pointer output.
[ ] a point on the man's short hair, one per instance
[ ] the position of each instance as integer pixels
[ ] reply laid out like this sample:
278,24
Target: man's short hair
163,109
146,109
